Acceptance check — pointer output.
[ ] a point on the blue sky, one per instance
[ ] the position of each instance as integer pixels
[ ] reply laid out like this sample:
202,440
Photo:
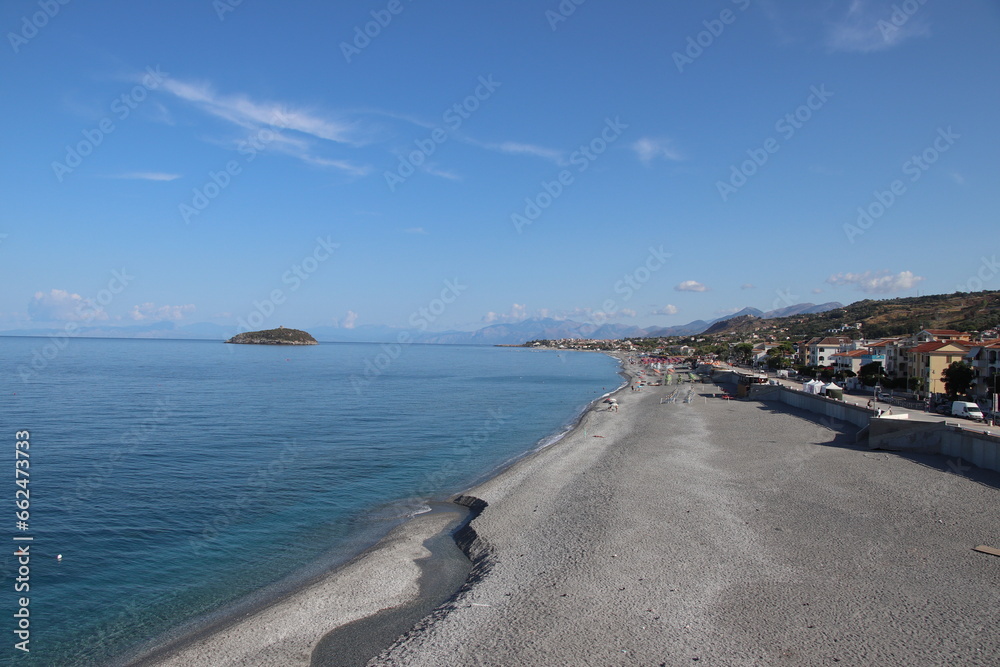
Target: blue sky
642,162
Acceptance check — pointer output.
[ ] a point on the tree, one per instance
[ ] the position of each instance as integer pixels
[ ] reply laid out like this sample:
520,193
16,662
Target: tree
872,374
776,356
743,352
957,378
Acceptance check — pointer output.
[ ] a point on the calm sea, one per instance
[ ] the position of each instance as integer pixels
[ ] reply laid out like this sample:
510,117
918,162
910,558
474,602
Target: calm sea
178,478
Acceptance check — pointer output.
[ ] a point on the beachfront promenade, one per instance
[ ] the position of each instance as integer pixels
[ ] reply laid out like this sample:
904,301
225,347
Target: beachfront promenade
714,532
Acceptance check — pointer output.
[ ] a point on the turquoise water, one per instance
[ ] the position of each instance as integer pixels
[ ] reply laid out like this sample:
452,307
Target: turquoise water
176,478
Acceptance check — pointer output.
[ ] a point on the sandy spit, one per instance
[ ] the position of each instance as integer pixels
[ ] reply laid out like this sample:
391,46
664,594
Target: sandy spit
286,633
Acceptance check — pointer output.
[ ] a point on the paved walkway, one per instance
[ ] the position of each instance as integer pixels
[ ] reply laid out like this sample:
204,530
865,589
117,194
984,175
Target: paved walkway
915,415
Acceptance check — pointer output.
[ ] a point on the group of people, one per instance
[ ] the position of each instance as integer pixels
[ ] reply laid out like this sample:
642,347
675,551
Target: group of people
878,411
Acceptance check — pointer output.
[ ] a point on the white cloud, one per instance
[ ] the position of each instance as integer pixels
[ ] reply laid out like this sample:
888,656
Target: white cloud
150,311
518,313
349,320
748,286
149,176
870,26
691,286
266,120
60,305
649,148
515,148
432,170
250,114
597,316
958,178
666,310
817,290
416,230
878,282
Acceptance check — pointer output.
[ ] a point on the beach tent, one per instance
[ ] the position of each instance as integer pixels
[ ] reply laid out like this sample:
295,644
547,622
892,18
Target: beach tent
833,391
813,386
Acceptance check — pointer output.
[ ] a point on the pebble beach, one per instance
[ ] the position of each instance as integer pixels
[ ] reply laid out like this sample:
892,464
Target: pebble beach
715,532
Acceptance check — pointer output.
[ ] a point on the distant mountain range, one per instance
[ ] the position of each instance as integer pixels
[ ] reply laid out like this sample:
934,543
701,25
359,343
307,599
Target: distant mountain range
513,333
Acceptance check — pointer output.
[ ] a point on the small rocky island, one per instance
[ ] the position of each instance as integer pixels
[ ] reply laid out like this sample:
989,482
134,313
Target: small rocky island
279,336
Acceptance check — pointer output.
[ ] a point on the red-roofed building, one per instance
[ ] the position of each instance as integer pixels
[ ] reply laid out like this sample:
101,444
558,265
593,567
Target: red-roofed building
928,335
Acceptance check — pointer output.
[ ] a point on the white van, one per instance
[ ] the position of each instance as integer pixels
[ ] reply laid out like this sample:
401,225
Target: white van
967,409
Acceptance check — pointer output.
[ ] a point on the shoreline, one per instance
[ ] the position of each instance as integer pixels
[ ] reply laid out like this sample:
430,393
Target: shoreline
729,532
428,538
388,576
733,532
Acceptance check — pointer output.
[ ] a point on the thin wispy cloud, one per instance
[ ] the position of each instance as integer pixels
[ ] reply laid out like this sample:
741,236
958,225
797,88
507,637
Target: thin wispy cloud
648,149
416,230
150,311
431,170
275,126
148,176
877,282
595,316
515,148
243,111
869,26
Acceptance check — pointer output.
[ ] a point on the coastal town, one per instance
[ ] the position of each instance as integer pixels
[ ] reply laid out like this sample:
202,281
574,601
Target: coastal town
930,365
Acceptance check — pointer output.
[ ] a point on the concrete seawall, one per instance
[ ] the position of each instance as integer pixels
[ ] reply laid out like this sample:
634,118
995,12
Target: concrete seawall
979,449
897,435
822,405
